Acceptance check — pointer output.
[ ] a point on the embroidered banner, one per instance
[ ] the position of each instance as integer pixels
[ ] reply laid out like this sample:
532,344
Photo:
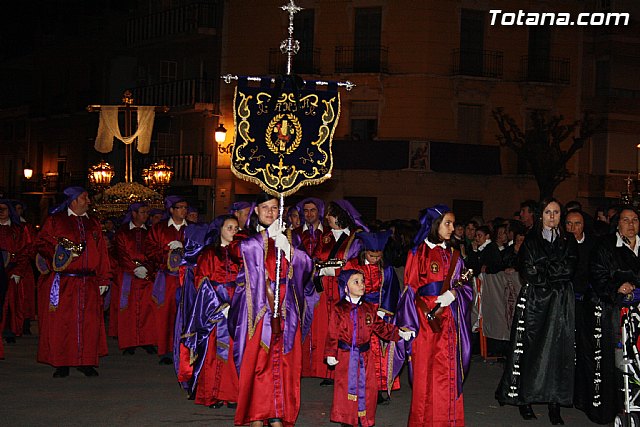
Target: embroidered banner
284,133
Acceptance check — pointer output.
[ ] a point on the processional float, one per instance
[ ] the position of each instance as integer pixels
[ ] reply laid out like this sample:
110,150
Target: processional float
284,129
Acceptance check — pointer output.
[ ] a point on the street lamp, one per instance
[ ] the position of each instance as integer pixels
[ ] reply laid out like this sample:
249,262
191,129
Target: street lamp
220,134
28,170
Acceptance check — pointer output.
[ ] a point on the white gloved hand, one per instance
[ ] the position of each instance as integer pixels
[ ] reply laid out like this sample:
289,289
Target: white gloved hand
74,254
141,272
15,278
406,335
175,244
275,230
328,271
282,243
225,312
332,361
445,299
381,314
103,289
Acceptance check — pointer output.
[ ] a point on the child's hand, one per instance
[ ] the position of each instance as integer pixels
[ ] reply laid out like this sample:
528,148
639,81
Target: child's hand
380,314
332,361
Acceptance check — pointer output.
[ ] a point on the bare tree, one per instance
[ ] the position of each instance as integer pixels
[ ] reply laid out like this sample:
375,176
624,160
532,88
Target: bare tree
541,144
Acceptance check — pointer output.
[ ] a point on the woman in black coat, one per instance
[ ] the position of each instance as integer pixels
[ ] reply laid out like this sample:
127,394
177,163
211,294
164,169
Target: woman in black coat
540,366
614,274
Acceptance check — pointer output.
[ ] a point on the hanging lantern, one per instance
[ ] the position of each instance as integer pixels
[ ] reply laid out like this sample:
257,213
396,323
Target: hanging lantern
100,175
28,171
220,134
158,176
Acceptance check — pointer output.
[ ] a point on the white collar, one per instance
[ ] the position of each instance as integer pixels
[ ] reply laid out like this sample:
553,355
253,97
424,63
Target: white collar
22,219
355,300
177,226
7,222
338,233
484,245
132,226
582,240
431,245
72,213
620,243
305,227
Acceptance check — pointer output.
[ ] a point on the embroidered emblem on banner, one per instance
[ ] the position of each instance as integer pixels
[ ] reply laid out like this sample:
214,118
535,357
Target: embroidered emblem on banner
284,134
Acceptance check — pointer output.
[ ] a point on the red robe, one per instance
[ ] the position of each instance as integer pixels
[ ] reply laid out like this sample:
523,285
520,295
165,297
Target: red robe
15,240
313,361
434,401
339,339
28,282
218,379
308,241
73,334
114,290
157,253
136,326
373,283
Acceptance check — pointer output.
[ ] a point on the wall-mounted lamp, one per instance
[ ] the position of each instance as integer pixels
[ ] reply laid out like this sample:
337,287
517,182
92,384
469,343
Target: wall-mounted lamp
220,134
28,170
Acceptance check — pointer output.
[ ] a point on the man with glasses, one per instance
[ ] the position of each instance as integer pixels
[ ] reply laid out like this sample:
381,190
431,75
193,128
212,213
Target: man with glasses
136,327
164,249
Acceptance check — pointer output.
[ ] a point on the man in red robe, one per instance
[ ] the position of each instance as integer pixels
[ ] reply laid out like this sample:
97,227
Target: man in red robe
73,331
164,249
136,327
28,281
14,245
311,230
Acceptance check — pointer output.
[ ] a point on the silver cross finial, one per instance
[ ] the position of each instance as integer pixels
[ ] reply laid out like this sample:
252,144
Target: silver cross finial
290,46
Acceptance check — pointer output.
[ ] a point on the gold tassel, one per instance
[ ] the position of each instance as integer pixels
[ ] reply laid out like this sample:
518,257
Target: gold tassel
352,397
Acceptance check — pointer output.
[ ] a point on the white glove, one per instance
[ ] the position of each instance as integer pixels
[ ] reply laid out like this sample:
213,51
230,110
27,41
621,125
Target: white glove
274,229
380,314
282,243
103,289
328,271
175,244
445,299
225,312
15,278
406,335
332,361
74,254
141,272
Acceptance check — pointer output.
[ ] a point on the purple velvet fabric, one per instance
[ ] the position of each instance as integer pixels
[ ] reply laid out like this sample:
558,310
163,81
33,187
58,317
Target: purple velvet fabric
426,220
319,205
72,193
353,213
125,290
249,303
133,207
374,241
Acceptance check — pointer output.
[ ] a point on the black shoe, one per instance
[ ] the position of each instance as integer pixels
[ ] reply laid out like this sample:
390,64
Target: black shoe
218,404
129,351
61,372
165,361
526,412
88,371
26,327
554,414
383,398
232,405
10,340
150,349
326,382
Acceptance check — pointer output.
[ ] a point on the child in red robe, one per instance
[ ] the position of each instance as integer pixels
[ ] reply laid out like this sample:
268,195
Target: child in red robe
351,326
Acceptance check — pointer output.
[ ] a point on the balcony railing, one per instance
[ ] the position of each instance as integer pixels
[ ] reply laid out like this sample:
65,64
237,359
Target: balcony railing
545,70
186,167
176,93
195,18
304,62
478,63
362,59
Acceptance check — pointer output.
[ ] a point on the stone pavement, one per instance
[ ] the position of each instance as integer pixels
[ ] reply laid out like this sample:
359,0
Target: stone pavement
136,391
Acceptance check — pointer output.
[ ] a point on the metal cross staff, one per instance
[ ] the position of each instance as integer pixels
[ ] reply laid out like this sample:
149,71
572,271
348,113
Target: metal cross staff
290,46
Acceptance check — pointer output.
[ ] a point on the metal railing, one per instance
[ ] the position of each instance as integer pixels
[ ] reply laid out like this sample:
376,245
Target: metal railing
478,63
188,19
306,61
361,59
176,93
186,167
545,70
